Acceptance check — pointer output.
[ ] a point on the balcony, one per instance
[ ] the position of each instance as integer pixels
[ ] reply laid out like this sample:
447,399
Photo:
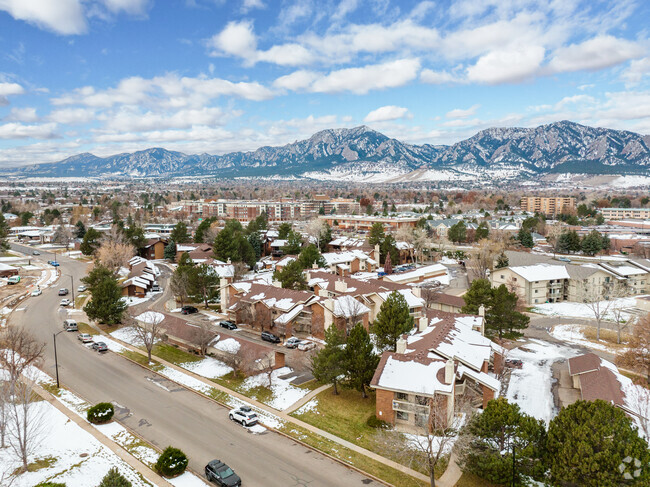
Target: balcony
409,407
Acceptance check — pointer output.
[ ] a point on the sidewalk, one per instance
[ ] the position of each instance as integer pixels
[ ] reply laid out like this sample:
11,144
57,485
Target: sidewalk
452,474
280,414
142,469
306,399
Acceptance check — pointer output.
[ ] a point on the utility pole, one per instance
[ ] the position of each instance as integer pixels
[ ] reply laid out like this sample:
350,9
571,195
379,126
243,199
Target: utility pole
56,360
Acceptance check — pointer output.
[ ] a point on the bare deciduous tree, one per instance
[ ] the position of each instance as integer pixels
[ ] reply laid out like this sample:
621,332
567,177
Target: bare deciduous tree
351,311
62,235
25,425
203,336
148,328
482,261
20,350
316,229
179,283
600,300
266,366
115,255
637,356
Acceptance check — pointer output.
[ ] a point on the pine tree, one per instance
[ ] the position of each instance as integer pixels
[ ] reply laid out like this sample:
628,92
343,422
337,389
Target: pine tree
114,479
479,293
589,440
326,237
502,261
81,229
256,244
283,230
502,318
458,232
204,282
106,304
360,359
573,241
4,232
199,234
310,256
170,251
482,231
592,243
294,243
180,234
329,364
291,276
377,234
393,320
493,434
525,238
389,246
231,243
90,242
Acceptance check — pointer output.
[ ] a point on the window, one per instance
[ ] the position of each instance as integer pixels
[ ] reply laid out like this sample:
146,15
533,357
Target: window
400,396
422,400
502,276
402,415
535,291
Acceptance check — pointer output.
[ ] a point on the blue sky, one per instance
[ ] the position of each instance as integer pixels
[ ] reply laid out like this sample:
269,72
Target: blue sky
109,76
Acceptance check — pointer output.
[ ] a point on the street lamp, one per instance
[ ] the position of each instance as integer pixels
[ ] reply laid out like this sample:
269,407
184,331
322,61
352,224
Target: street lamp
72,288
56,360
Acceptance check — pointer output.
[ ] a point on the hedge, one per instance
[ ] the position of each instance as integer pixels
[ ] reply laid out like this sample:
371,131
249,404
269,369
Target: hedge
171,463
101,413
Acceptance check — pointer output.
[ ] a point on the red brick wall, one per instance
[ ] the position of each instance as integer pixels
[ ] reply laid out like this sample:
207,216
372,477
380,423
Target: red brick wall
384,406
318,321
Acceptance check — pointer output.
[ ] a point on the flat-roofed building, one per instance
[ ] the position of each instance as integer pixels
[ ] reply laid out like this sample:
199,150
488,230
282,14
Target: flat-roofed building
626,213
548,205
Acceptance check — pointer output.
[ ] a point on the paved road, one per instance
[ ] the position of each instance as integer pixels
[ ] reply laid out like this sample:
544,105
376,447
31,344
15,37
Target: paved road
166,414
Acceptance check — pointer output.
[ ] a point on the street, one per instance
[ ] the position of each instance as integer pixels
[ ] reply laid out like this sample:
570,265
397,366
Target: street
164,413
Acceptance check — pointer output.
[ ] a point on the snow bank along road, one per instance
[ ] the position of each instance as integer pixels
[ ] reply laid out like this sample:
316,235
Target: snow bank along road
173,415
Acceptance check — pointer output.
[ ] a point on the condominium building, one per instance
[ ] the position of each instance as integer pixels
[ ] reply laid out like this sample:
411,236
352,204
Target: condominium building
627,213
548,205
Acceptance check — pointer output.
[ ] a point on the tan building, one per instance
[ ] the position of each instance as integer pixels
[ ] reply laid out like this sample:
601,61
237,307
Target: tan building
627,213
536,284
365,222
548,205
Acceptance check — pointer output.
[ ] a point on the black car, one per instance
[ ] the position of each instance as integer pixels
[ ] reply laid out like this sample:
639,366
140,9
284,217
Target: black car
221,474
270,337
188,310
100,346
228,325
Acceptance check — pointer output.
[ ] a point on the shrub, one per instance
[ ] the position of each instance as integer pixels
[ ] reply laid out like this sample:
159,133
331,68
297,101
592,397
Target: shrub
374,422
101,413
114,479
171,463
50,484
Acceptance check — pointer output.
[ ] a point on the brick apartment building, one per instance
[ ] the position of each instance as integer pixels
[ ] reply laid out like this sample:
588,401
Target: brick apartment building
548,205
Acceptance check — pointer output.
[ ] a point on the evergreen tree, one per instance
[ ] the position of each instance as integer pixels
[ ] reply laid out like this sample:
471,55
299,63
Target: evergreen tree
256,244
482,231
502,317
502,261
329,363
458,232
562,244
231,243
291,276
310,256
90,242
573,240
493,435
81,229
389,246
589,440
393,320
592,243
325,238
283,230
360,359
4,232
114,479
294,243
135,235
204,282
106,304
170,251
525,238
185,260
377,234
203,227
479,293
180,234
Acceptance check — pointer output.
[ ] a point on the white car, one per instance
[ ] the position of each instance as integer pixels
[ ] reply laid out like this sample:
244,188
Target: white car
81,288
243,415
37,292
306,345
65,302
85,337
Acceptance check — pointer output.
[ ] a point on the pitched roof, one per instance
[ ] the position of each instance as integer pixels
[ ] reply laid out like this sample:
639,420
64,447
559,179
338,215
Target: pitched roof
584,363
418,375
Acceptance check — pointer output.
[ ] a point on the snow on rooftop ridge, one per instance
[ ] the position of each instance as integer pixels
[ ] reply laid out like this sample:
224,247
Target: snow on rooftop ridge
541,272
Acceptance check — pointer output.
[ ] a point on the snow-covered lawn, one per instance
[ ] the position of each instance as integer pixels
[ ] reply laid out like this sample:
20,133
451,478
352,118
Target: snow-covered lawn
573,334
284,393
582,310
208,367
133,301
530,386
310,406
129,335
78,459
229,345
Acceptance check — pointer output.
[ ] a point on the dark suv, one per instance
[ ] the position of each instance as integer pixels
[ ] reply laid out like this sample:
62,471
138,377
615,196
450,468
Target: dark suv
270,337
229,325
188,310
221,474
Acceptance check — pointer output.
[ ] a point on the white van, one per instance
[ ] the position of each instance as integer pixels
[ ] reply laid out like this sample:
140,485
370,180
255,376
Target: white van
70,325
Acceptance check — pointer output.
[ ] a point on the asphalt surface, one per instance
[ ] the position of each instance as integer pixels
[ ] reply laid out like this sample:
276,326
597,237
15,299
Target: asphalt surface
164,413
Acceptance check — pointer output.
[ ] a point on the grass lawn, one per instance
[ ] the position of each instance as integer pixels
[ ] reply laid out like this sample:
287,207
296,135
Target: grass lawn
174,355
311,385
471,480
86,328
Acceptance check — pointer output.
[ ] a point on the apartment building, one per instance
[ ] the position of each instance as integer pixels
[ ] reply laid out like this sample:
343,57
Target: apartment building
365,222
536,284
626,213
550,205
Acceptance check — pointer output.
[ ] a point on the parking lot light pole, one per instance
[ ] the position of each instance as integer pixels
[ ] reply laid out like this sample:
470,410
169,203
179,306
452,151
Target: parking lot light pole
56,360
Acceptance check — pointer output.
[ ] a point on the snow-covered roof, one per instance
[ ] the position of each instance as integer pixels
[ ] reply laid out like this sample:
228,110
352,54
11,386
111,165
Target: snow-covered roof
287,317
278,243
348,307
413,376
411,299
419,273
541,272
335,258
150,317
480,377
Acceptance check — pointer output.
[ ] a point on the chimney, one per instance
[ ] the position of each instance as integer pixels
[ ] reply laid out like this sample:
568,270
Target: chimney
416,291
481,311
314,265
340,286
329,304
401,345
376,256
228,261
323,293
308,276
423,323
276,283
449,371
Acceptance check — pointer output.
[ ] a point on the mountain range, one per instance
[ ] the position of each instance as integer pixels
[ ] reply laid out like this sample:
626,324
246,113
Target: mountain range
368,155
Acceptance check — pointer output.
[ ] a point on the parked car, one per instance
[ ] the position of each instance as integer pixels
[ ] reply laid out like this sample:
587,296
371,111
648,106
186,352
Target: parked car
85,337
243,415
306,345
65,302
228,325
221,474
36,252
81,288
100,346
514,363
13,280
188,310
37,292
292,342
564,259
155,288
53,263
63,291
267,336
70,325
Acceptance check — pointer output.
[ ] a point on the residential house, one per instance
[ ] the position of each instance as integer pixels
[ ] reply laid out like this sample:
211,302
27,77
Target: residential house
154,249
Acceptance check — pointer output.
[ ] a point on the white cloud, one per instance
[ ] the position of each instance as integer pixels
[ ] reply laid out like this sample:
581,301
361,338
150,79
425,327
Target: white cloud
296,81
7,89
248,5
637,70
371,77
385,113
286,55
236,39
597,53
344,8
133,7
72,116
438,77
462,113
60,16
23,115
22,131
135,121
507,66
